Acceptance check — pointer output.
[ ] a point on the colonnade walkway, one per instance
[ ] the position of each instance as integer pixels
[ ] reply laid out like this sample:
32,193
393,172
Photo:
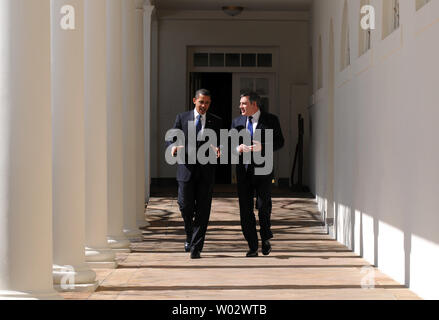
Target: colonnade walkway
305,262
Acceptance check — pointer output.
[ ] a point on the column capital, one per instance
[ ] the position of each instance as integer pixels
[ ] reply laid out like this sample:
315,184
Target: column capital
148,9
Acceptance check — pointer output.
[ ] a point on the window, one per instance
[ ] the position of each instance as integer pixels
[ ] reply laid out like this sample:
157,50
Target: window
201,59
365,35
249,59
216,59
233,60
254,60
259,85
390,16
345,46
421,3
264,60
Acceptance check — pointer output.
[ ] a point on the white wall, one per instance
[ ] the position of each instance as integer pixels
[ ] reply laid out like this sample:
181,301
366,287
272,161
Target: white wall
386,155
292,38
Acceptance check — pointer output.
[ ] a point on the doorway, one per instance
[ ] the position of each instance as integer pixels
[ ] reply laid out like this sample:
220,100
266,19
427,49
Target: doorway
220,86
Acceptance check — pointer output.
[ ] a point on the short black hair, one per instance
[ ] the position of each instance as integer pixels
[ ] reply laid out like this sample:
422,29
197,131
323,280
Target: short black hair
252,96
203,92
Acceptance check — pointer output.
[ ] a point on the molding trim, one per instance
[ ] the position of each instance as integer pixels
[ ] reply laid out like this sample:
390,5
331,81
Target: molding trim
343,77
426,17
245,16
389,46
364,62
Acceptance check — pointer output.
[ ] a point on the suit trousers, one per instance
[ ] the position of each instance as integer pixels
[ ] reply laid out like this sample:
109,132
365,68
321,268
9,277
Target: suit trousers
195,200
248,185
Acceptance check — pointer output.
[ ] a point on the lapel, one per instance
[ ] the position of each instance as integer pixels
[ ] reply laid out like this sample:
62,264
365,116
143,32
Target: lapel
208,121
261,120
189,116
242,122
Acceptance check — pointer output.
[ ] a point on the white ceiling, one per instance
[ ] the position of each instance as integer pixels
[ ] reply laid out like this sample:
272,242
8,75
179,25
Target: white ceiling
250,5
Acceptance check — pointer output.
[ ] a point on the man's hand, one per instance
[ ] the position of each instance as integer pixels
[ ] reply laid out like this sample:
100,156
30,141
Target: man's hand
244,148
217,150
257,146
175,149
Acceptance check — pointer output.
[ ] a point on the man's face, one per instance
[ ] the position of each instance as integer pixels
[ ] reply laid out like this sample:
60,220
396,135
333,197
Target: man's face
202,104
247,108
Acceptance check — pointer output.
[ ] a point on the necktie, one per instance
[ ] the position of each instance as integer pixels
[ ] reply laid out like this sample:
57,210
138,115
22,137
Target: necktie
198,125
250,129
250,126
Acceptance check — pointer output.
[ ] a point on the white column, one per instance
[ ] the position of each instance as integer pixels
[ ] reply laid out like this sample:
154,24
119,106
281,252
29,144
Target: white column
70,272
97,251
147,24
129,120
25,151
116,237
141,97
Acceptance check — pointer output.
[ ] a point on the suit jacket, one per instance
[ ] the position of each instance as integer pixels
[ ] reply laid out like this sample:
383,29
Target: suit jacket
185,171
266,121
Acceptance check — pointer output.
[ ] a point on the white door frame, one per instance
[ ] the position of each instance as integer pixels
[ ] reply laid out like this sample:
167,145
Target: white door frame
271,73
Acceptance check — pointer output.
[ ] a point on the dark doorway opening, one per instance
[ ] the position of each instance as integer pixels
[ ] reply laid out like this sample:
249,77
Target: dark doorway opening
220,86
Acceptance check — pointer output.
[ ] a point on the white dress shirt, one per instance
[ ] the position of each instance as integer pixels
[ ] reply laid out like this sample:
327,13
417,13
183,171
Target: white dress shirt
254,120
203,120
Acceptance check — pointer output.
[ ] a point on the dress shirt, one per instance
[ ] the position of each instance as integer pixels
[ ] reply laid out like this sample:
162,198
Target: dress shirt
203,120
254,120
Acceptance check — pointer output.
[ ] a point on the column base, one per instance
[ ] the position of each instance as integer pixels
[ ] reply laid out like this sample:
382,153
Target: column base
100,258
88,287
134,235
118,242
102,265
121,250
74,278
20,295
141,224
330,228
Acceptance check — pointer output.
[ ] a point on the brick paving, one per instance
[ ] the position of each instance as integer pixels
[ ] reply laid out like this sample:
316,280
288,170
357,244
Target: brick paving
305,262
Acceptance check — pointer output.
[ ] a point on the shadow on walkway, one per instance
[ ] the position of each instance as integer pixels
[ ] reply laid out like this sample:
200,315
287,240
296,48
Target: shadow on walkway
305,262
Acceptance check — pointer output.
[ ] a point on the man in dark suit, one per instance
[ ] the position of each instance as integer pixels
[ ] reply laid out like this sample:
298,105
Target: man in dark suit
196,180
249,183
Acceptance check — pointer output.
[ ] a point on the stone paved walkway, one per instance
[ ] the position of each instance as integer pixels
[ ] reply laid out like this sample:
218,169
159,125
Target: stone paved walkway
304,264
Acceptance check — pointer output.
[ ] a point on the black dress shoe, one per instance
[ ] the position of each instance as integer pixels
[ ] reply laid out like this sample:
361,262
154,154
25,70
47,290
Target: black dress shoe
266,247
251,253
195,254
187,246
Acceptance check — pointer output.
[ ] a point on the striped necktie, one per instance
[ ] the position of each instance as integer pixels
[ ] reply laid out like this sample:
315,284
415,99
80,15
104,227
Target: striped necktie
198,125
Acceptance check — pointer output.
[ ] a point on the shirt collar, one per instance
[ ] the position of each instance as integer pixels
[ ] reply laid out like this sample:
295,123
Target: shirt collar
256,116
203,116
